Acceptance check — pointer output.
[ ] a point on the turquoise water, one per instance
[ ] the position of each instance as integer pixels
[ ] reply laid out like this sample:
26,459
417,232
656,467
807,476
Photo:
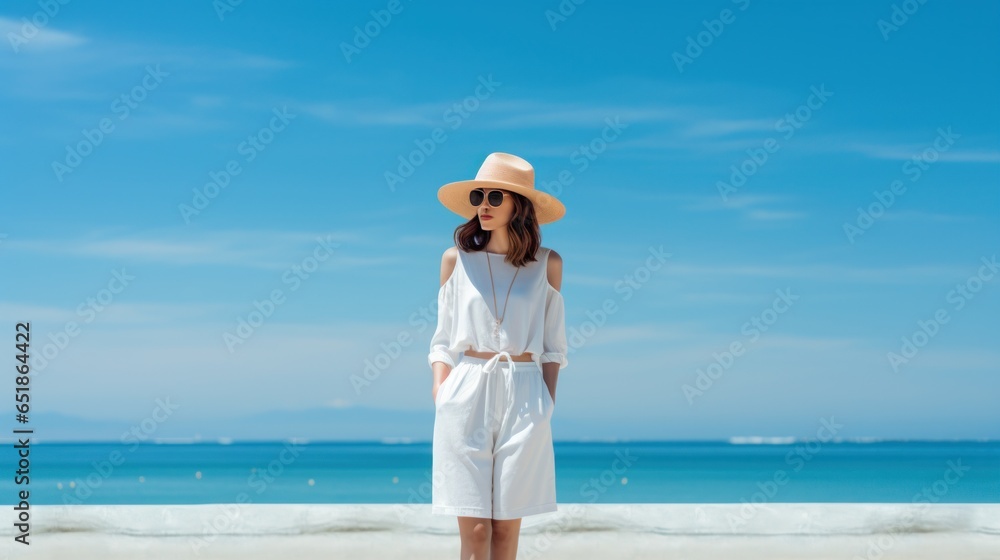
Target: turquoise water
621,472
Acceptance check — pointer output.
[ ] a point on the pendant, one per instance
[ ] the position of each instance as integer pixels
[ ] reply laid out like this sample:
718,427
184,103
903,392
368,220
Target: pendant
499,336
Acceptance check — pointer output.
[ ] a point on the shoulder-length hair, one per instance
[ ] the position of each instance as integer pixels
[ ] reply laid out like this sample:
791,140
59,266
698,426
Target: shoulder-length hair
523,231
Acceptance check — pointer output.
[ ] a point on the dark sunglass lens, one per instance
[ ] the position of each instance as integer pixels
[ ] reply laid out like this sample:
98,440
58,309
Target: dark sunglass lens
476,197
496,198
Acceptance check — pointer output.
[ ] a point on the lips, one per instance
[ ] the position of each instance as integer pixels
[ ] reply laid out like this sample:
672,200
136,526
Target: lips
485,217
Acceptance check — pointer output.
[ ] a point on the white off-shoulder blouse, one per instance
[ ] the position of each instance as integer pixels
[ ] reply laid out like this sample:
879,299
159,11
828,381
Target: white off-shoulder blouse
534,321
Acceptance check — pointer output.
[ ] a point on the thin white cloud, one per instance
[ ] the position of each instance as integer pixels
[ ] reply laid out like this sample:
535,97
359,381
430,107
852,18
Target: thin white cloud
423,240
535,114
801,342
722,127
157,123
121,313
428,115
830,273
494,114
208,100
910,151
919,215
77,73
952,359
774,215
674,144
773,352
609,257
981,156
655,332
245,248
751,207
717,297
256,61
736,201
42,38
697,128
588,280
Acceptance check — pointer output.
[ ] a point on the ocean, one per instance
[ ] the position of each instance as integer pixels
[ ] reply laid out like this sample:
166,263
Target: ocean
747,471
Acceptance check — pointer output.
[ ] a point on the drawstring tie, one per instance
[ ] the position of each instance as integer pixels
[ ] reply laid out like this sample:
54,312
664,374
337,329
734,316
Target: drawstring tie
508,378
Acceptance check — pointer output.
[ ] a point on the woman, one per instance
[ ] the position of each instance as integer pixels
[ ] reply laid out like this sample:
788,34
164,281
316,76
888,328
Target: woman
499,303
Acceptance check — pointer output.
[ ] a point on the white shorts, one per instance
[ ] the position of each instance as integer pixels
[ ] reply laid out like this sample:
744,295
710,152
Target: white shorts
493,453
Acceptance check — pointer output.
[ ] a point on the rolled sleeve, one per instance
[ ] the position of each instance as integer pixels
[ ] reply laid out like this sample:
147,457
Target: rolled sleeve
554,345
440,348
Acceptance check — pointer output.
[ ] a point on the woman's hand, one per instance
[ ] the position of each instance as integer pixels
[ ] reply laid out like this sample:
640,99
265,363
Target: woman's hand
441,372
550,374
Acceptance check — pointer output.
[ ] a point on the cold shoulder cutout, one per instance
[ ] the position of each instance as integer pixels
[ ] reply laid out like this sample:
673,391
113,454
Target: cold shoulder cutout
534,320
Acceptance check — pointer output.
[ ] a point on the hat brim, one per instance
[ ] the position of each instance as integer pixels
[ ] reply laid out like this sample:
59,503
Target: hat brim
455,197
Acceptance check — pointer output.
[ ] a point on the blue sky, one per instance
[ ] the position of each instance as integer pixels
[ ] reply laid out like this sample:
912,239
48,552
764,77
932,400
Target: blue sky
639,117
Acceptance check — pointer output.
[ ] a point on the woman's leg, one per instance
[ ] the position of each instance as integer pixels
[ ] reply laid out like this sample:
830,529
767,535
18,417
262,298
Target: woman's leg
475,533
505,535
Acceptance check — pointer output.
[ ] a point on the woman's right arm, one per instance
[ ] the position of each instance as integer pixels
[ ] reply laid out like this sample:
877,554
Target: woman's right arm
441,372
441,358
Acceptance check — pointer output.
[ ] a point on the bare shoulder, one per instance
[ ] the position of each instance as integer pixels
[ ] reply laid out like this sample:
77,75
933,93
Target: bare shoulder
554,269
448,260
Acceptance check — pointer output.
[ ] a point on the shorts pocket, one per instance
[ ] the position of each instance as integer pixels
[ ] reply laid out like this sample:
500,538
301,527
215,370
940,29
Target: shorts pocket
443,387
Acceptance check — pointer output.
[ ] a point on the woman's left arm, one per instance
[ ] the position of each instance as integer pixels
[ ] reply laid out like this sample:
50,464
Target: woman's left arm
554,347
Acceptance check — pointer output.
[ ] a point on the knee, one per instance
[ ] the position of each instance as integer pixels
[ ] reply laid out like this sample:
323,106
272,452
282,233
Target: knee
481,533
503,533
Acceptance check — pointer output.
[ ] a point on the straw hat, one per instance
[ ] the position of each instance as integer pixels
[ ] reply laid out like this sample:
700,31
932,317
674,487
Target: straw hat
502,171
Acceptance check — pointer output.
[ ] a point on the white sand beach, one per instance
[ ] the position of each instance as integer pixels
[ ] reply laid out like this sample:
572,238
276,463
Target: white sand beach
635,531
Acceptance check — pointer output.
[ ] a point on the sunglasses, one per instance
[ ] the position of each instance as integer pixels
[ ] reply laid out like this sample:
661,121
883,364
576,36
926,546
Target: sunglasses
495,197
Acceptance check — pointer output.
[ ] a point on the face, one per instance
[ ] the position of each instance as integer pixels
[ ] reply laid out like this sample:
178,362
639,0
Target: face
491,218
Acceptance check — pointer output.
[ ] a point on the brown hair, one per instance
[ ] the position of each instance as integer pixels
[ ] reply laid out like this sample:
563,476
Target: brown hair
523,231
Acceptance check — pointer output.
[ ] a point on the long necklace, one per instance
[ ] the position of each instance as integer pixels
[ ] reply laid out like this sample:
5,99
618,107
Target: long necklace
496,325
